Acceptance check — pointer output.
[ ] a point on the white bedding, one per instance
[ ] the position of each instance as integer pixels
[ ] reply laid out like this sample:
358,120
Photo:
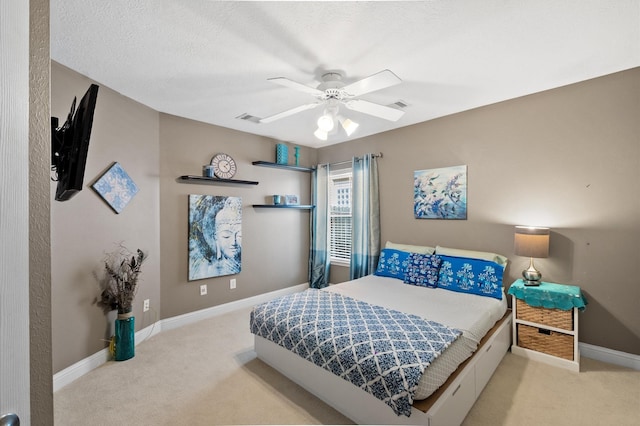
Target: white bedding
473,315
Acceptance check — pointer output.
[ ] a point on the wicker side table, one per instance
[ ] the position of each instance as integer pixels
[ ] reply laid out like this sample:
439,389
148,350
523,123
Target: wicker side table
545,323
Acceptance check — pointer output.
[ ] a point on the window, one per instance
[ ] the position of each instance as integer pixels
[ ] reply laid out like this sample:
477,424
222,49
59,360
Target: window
340,216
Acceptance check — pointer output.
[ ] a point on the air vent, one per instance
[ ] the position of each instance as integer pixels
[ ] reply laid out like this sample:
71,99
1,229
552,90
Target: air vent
399,104
248,117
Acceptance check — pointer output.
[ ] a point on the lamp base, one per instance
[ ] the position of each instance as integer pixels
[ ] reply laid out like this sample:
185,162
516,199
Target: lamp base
531,276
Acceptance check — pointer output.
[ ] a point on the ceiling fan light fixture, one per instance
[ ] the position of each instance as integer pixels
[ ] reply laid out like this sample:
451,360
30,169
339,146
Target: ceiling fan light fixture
326,123
348,125
333,94
320,134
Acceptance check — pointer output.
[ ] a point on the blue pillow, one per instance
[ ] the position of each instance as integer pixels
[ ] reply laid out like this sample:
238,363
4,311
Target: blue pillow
474,276
422,270
392,263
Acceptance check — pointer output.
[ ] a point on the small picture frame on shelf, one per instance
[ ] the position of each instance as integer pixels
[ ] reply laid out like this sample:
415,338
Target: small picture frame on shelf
291,200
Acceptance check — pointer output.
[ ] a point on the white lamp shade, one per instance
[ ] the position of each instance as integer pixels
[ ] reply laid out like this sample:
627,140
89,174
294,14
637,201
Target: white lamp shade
348,125
320,134
326,123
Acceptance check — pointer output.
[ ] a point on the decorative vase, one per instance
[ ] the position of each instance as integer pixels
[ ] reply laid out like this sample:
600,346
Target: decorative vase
282,153
297,155
207,171
125,337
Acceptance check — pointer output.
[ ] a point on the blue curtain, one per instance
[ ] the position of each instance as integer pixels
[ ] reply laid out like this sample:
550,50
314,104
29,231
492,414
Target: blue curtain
365,217
319,259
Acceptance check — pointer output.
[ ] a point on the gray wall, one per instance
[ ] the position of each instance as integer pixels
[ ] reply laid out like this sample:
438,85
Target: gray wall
567,158
39,216
155,149
275,243
84,228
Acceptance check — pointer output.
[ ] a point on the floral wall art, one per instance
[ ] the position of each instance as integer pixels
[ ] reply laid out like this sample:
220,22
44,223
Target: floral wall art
440,193
215,236
116,187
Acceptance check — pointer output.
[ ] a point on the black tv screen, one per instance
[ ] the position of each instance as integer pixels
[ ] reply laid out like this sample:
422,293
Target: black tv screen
70,145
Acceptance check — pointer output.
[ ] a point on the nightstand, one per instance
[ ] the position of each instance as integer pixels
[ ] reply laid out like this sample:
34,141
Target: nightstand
545,322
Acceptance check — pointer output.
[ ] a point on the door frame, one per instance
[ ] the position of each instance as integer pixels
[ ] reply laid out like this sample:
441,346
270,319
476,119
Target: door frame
14,210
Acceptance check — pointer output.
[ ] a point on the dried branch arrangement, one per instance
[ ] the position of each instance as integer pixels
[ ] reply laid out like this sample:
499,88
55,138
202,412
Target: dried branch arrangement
120,283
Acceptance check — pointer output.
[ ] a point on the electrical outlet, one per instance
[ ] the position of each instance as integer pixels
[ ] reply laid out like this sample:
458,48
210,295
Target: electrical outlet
232,283
203,289
145,306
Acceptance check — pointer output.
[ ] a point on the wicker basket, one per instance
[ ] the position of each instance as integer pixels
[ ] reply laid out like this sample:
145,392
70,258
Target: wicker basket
546,341
551,317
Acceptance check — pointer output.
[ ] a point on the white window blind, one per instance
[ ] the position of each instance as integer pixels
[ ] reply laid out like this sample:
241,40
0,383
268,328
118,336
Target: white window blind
340,216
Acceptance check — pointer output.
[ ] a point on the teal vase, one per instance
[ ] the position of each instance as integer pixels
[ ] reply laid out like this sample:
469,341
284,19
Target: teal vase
125,338
282,154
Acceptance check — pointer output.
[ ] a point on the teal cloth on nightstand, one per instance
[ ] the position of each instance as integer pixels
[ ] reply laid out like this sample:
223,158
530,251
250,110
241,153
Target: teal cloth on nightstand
549,295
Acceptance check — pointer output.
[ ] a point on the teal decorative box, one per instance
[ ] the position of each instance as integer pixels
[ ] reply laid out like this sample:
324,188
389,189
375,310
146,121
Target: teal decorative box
282,154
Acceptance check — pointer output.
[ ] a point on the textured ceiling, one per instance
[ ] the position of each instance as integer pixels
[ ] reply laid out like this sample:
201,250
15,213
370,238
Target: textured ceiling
210,60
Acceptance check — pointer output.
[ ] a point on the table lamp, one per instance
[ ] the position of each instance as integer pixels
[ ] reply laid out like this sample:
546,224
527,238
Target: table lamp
531,242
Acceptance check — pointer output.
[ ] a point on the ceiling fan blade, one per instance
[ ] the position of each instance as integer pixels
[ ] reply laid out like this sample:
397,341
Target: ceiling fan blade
288,112
376,110
283,81
374,82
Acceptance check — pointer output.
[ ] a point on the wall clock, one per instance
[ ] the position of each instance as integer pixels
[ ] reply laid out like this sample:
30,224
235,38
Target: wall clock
224,167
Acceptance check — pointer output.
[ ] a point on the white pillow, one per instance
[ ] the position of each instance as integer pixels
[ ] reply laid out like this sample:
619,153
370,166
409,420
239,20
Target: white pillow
482,255
410,248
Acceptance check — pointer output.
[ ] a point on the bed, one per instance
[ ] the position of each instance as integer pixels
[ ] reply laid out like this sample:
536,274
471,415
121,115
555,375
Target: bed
473,335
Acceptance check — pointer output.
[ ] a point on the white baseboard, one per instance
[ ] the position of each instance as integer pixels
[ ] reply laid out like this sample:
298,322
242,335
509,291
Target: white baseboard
79,369
611,356
191,317
84,366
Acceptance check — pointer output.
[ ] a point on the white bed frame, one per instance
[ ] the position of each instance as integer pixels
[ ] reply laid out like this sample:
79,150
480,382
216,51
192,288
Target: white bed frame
448,406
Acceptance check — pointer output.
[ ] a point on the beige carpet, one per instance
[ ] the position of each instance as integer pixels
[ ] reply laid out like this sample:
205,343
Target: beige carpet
207,374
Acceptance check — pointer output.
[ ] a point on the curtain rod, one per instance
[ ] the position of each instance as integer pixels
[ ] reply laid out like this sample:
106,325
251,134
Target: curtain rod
378,155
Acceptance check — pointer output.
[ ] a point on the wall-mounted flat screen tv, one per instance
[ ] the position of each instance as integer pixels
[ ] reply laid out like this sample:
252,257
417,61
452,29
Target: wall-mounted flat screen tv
70,145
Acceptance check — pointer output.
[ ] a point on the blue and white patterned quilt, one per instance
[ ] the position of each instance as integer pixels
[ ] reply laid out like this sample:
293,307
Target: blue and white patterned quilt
382,351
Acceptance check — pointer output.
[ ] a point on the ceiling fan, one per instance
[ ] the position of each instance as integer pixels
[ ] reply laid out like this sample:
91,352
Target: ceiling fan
332,93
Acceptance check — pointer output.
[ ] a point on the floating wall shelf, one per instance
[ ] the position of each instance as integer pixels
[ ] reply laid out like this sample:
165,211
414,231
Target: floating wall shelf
203,180
283,206
282,166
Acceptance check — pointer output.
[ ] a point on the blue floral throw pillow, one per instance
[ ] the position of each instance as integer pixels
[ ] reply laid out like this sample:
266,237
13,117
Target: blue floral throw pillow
393,264
422,270
462,274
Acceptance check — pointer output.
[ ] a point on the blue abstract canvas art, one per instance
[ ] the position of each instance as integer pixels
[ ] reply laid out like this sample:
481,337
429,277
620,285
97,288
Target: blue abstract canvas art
440,193
116,187
215,236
